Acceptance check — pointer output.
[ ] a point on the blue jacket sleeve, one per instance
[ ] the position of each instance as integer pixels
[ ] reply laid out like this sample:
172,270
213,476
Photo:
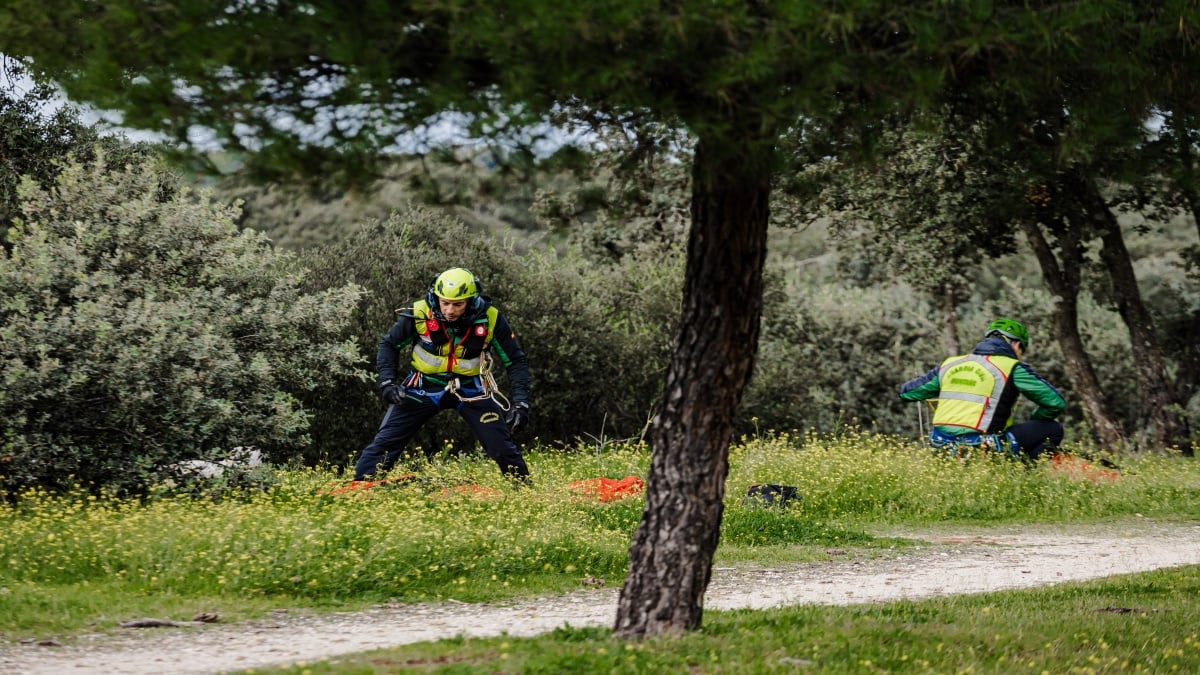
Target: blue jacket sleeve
922,387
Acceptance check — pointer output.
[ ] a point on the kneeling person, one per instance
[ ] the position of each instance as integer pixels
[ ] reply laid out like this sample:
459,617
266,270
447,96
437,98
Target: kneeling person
976,393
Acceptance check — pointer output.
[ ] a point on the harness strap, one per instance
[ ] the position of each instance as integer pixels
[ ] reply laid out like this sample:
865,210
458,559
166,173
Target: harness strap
961,446
487,386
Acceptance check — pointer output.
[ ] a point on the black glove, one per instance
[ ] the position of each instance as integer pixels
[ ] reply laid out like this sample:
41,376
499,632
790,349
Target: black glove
390,392
518,416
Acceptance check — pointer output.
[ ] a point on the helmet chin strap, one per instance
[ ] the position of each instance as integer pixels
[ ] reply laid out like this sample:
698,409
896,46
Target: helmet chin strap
432,299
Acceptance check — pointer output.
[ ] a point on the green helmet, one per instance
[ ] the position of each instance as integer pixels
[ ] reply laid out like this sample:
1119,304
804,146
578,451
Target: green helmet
1011,329
456,283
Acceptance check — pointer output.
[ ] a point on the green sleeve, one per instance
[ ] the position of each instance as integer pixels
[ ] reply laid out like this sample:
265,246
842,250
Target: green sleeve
920,388
1032,386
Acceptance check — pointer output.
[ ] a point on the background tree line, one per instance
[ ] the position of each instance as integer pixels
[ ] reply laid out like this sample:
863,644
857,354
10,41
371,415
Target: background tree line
590,269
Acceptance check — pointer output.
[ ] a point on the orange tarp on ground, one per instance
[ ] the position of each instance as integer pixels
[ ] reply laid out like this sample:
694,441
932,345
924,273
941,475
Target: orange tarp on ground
608,489
1081,468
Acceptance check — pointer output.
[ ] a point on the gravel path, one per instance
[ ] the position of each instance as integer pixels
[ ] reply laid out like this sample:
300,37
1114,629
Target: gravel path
952,562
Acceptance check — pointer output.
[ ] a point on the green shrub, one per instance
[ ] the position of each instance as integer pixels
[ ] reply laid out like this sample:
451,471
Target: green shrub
395,261
597,337
831,356
139,328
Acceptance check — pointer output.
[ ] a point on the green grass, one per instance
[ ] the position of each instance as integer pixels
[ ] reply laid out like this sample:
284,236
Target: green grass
78,562
1147,622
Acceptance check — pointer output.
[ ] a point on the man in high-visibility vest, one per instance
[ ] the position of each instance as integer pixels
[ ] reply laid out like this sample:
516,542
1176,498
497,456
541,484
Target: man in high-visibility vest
451,332
976,393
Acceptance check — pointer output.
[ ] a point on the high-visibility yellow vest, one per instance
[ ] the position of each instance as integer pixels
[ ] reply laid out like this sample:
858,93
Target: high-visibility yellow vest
433,352
971,389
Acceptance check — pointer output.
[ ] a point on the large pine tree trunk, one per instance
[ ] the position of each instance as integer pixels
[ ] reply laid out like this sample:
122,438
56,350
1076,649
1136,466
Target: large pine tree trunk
1063,281
1170,426
671,555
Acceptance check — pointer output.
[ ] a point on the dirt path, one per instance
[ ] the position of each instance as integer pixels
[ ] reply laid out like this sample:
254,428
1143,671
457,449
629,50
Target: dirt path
952,562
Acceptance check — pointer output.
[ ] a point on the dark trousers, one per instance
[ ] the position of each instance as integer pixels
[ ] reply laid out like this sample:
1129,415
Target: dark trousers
402,421
1035,437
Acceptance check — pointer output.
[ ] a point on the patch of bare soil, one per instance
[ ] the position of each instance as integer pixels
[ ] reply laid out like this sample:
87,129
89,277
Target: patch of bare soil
949,562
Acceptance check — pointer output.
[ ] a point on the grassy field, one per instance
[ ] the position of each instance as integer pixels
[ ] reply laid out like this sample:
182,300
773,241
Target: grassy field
81,562
1147,623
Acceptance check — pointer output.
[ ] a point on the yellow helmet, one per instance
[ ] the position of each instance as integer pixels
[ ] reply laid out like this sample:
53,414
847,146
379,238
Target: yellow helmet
456,283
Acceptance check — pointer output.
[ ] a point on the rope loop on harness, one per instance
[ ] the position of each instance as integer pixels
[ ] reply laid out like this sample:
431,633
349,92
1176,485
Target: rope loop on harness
487,385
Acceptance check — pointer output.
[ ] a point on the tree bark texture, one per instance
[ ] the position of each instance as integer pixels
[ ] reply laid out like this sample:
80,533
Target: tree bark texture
671,555
950,338
1187,161
1170,426
1063,281
1188,374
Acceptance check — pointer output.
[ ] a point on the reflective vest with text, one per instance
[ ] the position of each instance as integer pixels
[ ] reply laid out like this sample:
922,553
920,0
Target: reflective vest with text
971,390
